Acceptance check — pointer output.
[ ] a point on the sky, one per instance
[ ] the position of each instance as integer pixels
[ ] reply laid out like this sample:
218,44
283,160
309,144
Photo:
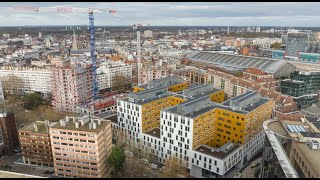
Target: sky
169,14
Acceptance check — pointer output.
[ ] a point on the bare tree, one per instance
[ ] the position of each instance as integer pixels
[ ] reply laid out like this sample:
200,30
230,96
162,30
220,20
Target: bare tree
121,82
12,84
174,168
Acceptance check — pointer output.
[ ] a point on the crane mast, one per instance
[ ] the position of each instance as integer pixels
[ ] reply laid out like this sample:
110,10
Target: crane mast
139,63
95,87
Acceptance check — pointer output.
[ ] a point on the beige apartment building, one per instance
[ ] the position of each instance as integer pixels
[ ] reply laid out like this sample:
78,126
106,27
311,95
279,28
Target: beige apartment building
35,143
80,146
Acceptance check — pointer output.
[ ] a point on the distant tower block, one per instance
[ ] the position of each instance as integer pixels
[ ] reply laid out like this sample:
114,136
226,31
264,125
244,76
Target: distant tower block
40,34
228,30
74,41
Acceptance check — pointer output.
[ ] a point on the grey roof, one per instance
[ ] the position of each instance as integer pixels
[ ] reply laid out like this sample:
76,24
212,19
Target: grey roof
238,61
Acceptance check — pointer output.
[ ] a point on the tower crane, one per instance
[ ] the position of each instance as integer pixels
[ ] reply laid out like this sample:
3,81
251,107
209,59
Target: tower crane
90,11
138,28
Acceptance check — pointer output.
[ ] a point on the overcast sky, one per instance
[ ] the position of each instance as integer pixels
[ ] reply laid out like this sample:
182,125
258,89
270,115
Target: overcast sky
170,13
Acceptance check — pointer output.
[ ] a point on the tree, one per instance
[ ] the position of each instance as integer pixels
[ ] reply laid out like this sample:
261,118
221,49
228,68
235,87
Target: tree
132,167
276,45
32,101
121,82
175,169
116,158
12,84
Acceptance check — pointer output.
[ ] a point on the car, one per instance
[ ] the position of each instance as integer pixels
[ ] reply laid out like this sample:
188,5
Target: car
255,165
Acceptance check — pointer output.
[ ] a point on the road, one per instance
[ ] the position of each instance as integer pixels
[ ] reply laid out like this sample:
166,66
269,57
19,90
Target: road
248,172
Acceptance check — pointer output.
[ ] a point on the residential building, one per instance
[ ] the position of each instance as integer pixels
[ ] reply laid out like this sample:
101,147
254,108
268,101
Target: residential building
192,124
71,86
296,42
35,143
302,86
255,73
153,72
30,79
9,132
107,71
80,147
291,149
148,34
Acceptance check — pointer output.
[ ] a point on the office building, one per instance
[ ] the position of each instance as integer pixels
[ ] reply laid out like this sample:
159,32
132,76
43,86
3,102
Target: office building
9,132
71,86
80,147
208,135
291,149
302,86
35,143
296,42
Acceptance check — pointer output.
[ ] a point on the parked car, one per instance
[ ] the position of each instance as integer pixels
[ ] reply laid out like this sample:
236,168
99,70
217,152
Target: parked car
255,165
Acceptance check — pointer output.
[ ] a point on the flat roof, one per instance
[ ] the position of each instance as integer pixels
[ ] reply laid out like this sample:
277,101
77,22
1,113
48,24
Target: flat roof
218,154
154,132
276,127
41,128
108,116
85,128
8,174
312,156
310,134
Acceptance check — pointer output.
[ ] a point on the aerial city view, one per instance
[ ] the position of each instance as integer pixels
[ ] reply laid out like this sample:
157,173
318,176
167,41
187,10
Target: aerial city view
159,90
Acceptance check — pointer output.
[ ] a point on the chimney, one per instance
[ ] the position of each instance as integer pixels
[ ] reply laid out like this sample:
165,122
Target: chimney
94,125
67,119
99,121
35,127
77,124
90,125
61,122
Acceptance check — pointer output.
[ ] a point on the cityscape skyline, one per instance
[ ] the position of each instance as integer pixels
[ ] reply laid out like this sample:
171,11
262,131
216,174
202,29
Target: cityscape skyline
169,13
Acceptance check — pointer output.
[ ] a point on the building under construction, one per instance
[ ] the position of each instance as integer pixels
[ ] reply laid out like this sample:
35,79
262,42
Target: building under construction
71,86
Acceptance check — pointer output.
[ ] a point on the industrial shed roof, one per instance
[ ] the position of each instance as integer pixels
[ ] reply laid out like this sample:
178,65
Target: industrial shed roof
238,61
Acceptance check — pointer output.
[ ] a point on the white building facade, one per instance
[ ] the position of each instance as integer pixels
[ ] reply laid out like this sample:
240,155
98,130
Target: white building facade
107,71
31,79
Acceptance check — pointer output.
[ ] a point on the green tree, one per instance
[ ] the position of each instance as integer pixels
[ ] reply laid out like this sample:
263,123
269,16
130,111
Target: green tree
32,101
276,45
116,158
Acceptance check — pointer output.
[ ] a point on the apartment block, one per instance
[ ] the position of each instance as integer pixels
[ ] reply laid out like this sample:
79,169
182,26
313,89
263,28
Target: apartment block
9,132
71,86
150,73
30,79
108,70
208,135
80,147
35,143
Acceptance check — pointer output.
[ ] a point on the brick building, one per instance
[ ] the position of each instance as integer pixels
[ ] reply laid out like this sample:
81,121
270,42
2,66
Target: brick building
9,132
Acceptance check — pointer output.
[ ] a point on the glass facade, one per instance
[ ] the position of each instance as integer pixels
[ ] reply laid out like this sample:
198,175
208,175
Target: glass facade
303,87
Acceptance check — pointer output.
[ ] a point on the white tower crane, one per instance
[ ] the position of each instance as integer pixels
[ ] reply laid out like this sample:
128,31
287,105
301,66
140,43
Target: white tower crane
138,27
